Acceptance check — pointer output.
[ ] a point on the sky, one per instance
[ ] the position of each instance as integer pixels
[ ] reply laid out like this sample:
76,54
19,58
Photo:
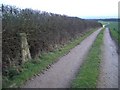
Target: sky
78,8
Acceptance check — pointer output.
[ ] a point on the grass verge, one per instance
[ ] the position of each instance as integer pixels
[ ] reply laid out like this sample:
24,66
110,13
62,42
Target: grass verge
114,31
115,36
34,67
88,75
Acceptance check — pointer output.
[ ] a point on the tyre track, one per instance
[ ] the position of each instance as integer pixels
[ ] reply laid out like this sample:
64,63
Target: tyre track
109,65
63,72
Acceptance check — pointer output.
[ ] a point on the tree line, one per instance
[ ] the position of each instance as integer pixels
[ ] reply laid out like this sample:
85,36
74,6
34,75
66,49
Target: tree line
45,32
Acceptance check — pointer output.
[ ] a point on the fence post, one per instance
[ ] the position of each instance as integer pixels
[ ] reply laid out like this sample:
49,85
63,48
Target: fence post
24,48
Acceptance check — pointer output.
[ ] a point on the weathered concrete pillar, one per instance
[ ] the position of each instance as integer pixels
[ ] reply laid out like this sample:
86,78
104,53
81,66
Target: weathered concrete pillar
24,48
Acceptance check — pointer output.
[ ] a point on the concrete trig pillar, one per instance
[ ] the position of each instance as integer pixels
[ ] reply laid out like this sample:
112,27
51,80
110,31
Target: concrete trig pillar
24,48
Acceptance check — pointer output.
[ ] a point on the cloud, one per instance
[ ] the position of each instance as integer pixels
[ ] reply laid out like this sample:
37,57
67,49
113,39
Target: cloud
71,7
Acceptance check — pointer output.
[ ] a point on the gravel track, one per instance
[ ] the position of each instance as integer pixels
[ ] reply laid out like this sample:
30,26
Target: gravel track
60,74
109,65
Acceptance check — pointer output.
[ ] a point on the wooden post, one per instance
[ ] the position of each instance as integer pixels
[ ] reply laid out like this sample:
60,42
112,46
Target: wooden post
24,48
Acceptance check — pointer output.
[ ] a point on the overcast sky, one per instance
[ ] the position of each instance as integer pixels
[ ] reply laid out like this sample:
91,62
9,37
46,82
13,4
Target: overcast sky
79,8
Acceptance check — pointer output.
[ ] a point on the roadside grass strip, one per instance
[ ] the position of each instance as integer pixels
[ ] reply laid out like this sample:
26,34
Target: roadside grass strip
114,31
115,34
37,66
88,74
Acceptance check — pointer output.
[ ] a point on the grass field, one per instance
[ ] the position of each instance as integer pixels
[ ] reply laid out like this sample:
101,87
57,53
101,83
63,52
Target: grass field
89,72
114,30
113,25
34,67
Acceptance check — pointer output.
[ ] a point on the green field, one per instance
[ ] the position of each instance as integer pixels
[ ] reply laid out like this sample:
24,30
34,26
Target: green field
113,25
114,30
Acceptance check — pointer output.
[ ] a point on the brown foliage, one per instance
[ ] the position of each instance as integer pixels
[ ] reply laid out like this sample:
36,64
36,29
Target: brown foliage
44,31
